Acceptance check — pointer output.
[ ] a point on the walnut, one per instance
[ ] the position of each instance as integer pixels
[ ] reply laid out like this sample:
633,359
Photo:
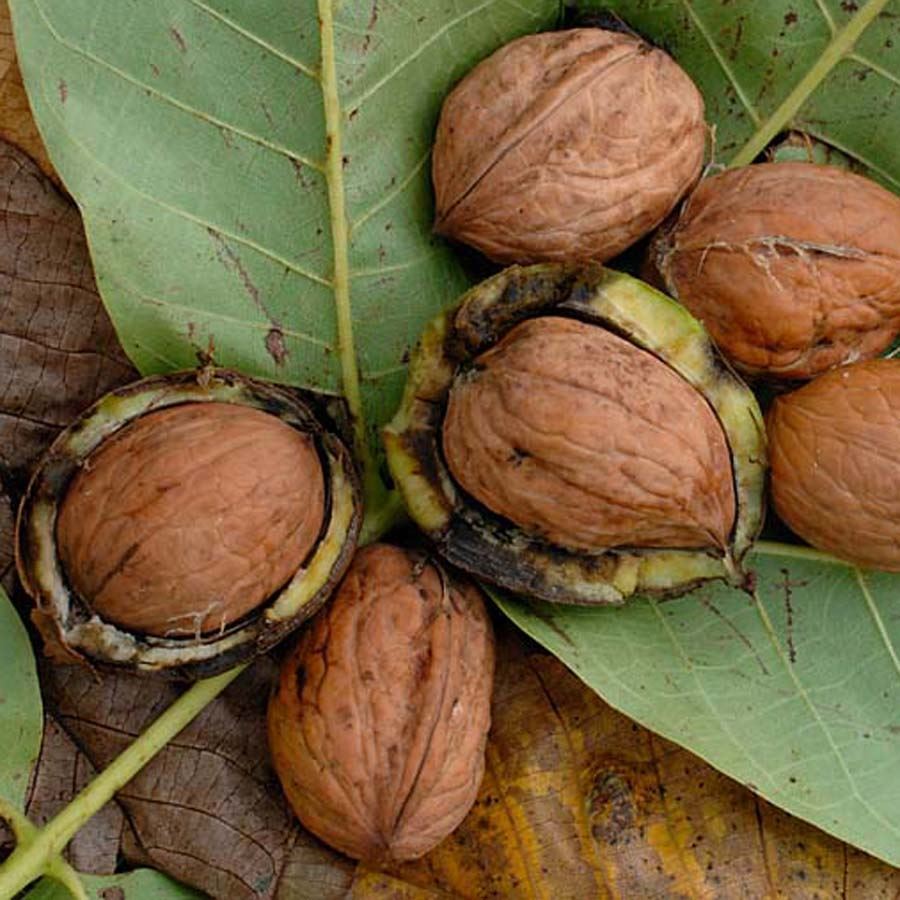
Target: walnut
793,268
563,146
569,433
378,725
834,462
188,518
187,522
577,435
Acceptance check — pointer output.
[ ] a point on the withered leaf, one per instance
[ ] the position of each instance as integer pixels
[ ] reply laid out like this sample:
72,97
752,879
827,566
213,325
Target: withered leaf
16,123
58,347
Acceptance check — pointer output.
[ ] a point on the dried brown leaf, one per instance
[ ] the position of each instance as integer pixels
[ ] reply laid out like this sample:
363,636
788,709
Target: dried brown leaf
16,123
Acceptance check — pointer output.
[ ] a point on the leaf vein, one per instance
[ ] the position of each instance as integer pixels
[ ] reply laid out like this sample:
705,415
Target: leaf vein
389,76
256,39
177,104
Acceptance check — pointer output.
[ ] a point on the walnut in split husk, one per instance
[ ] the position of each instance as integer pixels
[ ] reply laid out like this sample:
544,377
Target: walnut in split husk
186,522
570,433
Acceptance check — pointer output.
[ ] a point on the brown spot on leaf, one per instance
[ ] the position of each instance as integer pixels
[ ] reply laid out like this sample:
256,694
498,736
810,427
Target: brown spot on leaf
790,17
63,91
275,346
178,38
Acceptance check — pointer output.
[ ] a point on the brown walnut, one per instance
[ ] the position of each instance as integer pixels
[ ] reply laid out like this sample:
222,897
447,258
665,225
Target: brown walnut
835,456
190,517
793,268
566,146
378,726
583,438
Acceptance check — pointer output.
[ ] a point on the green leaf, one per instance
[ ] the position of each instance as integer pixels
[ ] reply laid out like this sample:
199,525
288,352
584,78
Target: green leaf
254,176
830,68
794,691
142,884
21,711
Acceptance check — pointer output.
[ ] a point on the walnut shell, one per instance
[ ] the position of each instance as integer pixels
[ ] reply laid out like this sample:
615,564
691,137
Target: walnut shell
190,517
624,453
835,462
187,522
378,726
565,146
793,268
569,433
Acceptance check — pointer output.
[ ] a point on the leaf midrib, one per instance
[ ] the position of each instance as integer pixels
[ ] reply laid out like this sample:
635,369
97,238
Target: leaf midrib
340,279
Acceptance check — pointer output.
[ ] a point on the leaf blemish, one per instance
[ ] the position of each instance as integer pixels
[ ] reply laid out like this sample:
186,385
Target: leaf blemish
178,38
275,346
63,91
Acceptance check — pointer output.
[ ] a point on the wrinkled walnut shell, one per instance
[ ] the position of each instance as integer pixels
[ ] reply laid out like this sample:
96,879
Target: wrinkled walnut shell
189,518
793,268
836,465
579,436
565,146
535,540
378,726
187,522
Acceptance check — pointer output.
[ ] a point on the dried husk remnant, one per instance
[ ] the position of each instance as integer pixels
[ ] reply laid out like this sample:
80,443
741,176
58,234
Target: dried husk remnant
566,146
379,722
794,268
835,454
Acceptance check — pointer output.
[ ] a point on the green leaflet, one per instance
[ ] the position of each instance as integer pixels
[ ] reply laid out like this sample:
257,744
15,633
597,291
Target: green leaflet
254,176
142,884
794,692
21,710
830,68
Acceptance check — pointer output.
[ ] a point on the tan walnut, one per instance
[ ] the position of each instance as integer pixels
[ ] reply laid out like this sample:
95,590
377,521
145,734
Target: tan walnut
187,522
566,146
577,435
378,725
190,517
793,268
835,461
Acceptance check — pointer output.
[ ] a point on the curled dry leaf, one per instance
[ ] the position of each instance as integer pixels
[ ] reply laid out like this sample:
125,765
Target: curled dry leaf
792,267
835,462
378,726
565,146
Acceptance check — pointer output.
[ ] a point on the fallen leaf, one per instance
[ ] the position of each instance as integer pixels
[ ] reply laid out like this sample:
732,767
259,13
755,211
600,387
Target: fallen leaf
57,344
577,801
17,126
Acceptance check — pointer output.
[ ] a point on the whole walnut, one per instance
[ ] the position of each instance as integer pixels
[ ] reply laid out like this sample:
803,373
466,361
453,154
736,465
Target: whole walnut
569,433
793,268
378,725
566,146
187,522
189,518
577,435
835,462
